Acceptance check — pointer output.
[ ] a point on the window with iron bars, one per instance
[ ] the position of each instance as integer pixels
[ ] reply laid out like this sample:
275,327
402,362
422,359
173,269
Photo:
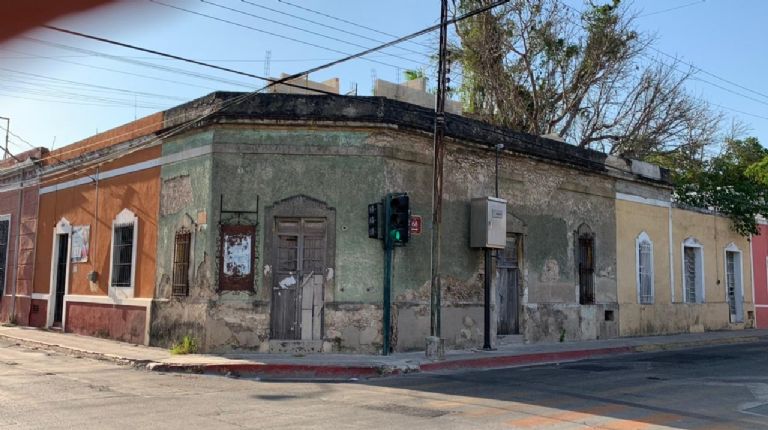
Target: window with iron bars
181,257
122,255
644,270
586,260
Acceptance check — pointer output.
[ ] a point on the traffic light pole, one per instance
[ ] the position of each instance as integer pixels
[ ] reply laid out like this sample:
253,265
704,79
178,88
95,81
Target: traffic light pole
387,302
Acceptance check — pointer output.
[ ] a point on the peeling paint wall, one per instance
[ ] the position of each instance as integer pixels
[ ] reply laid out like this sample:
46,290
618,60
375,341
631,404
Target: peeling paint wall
345,169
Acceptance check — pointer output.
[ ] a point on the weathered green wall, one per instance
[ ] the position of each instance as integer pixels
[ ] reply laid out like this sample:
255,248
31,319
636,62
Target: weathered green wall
347,168
185,202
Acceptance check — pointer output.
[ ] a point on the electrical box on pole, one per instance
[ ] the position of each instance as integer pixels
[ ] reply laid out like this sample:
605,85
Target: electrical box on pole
488,223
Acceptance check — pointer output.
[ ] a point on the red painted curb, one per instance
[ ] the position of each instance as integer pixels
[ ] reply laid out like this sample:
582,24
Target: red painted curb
512,360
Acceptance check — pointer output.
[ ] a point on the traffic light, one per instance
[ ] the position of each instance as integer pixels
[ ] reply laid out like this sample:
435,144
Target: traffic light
375,213
399,222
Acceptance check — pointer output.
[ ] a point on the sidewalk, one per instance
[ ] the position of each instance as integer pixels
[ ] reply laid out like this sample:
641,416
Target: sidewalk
349,366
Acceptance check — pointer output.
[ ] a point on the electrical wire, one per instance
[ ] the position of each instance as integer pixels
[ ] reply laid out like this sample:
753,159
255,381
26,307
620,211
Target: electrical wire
123,72
136,62
336,39
282,36
672,8
341,30
271,81
335,18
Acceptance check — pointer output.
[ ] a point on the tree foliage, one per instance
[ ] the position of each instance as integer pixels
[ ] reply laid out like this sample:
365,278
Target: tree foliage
734,183
538,66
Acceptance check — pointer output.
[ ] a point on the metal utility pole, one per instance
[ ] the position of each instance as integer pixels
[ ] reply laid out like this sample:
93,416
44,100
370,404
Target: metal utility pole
7,131
437,172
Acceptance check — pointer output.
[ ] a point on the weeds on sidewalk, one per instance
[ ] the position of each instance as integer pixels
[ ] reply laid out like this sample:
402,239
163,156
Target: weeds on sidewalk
188,345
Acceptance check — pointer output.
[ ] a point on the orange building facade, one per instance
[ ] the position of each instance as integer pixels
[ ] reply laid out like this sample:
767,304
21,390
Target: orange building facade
97,234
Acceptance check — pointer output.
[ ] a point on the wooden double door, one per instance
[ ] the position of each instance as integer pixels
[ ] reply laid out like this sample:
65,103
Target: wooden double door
297,286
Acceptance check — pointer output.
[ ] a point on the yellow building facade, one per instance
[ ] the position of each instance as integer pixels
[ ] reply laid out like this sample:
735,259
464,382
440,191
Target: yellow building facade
679,270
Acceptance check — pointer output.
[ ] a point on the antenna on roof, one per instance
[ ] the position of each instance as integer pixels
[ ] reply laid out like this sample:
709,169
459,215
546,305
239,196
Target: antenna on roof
267,61
373,81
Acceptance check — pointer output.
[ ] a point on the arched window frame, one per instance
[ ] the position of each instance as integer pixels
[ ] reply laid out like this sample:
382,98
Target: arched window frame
692,242
124,218
645,299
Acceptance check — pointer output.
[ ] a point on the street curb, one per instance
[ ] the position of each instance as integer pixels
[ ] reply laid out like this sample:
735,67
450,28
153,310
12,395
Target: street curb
338,372
76,352
522,359
284,370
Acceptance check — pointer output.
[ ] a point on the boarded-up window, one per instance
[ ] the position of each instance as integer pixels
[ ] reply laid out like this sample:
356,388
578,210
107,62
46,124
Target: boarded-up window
237,255
644,269
122,255
181,254
4,229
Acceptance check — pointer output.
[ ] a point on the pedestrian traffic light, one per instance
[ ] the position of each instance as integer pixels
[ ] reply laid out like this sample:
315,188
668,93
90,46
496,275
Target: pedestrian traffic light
399,222
375,213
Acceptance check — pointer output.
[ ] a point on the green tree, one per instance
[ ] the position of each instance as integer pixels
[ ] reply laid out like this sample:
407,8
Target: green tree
733,183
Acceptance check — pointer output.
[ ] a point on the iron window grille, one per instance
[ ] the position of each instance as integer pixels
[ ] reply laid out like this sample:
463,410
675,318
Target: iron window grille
689,271
181,257
122,255
586,270
645,271
730,280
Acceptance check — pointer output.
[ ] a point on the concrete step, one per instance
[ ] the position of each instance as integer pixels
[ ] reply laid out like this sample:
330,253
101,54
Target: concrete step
509,339
295,346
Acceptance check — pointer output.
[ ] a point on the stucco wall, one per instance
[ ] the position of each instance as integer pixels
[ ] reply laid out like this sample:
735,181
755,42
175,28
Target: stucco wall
668,313
97,206
759,260
20,254
347,168
185,201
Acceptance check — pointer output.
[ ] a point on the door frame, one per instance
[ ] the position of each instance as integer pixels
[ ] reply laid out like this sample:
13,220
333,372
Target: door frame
62,227
300,206
519,239
738,265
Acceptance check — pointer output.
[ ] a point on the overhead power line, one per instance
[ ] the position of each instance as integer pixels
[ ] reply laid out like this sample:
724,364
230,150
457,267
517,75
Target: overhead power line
168,69
272,82
720,78
672,8
693,66
335,18
282,36
175,57
108,69
336,39
339,29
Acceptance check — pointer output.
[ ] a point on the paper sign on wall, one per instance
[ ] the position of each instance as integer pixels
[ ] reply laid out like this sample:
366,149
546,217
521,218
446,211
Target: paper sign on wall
80,245
237,255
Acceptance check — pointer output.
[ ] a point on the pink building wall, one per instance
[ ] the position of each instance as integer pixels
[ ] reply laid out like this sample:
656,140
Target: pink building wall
759,256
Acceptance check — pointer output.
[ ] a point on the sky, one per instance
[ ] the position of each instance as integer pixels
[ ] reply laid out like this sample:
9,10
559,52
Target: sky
58,88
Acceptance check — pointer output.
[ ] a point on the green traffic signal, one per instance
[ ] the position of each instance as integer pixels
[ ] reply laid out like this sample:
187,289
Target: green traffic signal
395,235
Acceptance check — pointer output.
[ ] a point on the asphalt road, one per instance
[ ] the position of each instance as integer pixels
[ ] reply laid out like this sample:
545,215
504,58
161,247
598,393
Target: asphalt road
710,388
